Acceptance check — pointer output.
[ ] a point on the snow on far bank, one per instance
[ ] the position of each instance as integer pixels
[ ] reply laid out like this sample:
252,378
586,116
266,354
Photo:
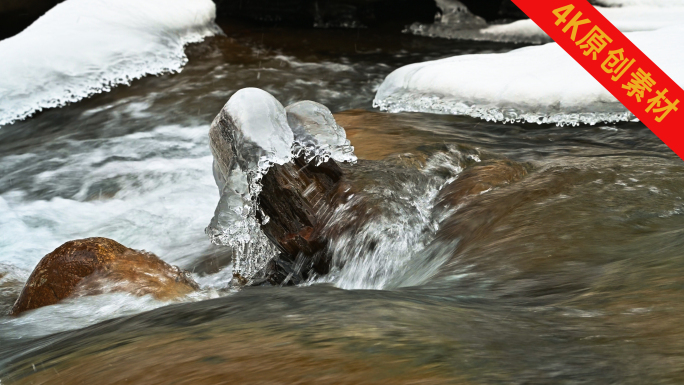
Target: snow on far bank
626,15
83,47
540,84
627,19
652,3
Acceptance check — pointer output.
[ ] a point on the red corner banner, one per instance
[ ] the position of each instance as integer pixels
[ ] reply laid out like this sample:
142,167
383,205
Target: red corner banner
598,46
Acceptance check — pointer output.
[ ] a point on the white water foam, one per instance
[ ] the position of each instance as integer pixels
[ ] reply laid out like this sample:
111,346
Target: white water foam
535,84
396,247
150,190
83,47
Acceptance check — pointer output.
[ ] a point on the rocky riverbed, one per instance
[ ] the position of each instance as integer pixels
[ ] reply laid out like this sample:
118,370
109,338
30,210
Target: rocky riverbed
454,250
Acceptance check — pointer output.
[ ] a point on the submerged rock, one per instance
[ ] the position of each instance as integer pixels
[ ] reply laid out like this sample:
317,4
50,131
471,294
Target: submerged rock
97,265
479,179
474,212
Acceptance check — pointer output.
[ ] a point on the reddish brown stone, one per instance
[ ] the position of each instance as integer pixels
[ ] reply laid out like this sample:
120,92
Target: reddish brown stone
299,199
96,265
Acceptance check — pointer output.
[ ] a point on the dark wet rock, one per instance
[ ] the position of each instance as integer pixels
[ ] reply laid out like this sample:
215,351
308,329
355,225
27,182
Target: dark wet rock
15,15
282,271
328,13
97,265
508,10
494,9
299,199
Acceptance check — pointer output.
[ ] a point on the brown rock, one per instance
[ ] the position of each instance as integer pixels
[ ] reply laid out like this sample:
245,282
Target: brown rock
476,212
96,265
299,199
479,179
379,135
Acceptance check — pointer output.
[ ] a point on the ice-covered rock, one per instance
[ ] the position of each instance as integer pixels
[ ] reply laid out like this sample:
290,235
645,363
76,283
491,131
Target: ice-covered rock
535,84
276,173
249,135
83,47
457,15
317,135
454,19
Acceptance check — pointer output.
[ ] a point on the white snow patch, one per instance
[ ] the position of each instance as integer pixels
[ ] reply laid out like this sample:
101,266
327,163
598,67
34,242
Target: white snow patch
541,84
83,47
651,3
627,19
626,15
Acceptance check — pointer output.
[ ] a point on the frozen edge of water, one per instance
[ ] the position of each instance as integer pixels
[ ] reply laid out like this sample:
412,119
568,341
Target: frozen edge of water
113,79
439,105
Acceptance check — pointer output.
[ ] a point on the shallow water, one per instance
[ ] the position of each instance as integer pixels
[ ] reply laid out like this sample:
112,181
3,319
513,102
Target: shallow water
571,275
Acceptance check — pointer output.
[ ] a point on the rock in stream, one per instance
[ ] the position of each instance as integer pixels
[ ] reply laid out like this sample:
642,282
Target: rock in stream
97,265
277,173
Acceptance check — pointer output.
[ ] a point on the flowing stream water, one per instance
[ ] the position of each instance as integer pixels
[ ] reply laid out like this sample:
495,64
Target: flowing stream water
572,275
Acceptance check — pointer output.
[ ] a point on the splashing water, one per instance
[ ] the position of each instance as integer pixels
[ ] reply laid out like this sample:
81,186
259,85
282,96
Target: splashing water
395,247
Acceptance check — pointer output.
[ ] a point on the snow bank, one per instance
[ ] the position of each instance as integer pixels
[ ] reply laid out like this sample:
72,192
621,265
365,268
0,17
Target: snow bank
651,3
83,47
627,19
627,16
541,84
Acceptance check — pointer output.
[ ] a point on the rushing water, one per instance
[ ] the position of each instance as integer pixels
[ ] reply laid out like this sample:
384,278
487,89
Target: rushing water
571,275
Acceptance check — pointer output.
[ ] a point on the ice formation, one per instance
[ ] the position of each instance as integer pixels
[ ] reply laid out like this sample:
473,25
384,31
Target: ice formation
251,133
626,15
83,47
248,136
541,84
317,135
